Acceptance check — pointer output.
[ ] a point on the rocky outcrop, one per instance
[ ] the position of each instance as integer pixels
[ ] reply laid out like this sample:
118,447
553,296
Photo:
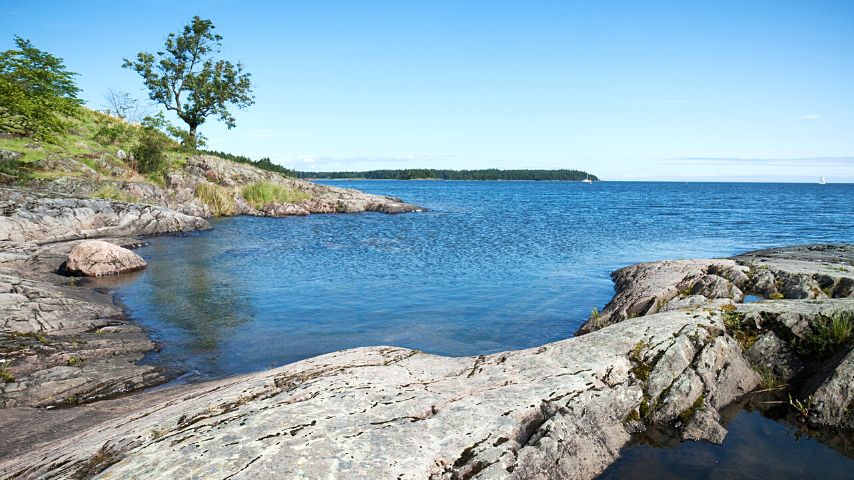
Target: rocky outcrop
562,410
180,189
648,288
94,258
28,216
803,272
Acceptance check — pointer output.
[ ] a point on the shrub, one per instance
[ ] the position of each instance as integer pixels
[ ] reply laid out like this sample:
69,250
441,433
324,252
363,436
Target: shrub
150,152
259,194
111,132
219,199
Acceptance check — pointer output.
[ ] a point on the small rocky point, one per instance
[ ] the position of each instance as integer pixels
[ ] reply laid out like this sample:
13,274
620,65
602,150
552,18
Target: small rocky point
674,346
95,258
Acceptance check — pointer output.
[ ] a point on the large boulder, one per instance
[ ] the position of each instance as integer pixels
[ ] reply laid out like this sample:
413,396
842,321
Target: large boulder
95,258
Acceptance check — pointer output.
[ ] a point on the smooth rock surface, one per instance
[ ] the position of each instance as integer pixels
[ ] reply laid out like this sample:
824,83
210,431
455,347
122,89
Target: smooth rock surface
94,258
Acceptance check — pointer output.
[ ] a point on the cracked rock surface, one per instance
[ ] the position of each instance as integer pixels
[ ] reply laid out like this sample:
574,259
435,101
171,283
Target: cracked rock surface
562,410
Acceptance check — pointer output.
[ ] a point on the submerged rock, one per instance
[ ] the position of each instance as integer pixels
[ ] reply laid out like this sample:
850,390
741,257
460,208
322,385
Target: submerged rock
94,258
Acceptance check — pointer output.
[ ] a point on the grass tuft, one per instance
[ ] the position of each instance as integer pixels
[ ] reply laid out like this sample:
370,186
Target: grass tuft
260,194
110,192
219,199
827,334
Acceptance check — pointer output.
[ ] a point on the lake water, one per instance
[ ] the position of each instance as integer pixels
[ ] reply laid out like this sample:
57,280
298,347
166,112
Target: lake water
490,266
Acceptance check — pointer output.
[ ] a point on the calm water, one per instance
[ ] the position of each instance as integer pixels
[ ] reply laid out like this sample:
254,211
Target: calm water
491,266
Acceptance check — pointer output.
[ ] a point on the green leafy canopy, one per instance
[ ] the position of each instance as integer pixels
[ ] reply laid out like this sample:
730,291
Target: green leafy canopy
185,78
35,90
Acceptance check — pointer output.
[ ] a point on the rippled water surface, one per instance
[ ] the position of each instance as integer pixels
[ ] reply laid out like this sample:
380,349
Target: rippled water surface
491,266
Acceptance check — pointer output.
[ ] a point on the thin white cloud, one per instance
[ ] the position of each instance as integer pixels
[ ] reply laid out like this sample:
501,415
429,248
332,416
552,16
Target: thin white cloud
807,117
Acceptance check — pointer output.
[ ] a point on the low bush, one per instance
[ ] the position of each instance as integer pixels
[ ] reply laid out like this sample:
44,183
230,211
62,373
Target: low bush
150,152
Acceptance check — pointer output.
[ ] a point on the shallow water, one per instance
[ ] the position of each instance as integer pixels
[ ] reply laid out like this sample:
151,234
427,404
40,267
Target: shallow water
491,266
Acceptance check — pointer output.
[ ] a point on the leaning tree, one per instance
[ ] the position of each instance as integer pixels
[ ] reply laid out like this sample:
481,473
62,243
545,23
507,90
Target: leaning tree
186,79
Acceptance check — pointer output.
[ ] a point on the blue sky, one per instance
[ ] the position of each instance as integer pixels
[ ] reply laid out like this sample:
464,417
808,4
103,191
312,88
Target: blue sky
741,90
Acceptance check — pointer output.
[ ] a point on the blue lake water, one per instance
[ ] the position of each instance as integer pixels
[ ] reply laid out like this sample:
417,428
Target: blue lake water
491,266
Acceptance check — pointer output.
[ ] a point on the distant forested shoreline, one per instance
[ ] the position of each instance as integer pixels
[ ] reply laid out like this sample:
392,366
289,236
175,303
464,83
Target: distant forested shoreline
433,174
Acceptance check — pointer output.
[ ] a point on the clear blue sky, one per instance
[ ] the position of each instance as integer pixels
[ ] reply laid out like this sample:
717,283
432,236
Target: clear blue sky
746,90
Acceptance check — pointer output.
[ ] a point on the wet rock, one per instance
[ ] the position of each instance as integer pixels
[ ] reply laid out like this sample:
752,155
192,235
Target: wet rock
94,258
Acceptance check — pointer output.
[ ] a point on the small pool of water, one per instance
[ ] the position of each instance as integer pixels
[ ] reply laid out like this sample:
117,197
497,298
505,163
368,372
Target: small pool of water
757,447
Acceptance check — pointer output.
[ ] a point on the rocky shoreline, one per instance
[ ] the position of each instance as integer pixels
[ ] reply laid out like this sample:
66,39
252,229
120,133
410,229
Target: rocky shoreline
673,347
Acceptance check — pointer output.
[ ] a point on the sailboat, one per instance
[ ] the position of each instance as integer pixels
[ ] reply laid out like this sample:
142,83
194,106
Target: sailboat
587,180
821,180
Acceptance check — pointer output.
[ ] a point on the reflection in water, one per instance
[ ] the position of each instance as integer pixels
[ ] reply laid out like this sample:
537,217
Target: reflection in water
756,447
197,306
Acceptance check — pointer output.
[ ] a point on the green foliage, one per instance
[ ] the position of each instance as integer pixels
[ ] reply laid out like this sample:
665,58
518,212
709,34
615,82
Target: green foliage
185,79
802,407
11,168
5,375
150,153
640,367
259,194
160,123
487,174
111,131
75,361
264,164
827,334
219,199
697,406
594,314
734,323
36,90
